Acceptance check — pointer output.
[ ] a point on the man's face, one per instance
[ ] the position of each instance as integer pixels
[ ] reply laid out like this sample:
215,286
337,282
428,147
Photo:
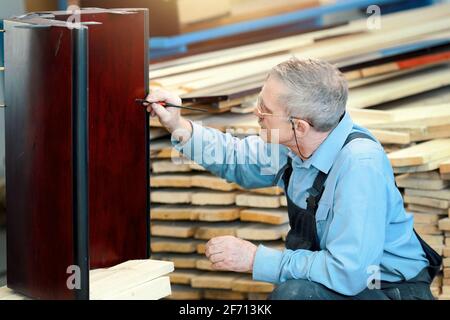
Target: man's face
272,117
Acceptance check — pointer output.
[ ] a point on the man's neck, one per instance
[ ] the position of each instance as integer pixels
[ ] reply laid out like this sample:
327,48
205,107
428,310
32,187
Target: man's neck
307,145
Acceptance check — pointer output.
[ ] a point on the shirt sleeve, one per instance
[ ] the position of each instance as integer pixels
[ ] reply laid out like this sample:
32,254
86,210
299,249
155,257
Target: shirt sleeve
355,239
250,162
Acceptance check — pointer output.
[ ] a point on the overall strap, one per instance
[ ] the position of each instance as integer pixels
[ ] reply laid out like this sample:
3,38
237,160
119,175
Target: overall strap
317,189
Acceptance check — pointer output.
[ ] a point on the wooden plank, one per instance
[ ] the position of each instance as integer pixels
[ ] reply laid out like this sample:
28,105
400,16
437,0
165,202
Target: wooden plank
270,216
262,232
169,166
183,276
246,284
173,245
212,182
131,278
427,218
435,194
216,230
180,292
444,224
180,260
445,167
273,191
152,290
9,294
209,197
434,240
425,210
403,86
430,202
433,165
257,201
427,229
172,229
421,153
446,251
217,213
171,212
386,136
417,181
170,180
214,280
216,294
169,196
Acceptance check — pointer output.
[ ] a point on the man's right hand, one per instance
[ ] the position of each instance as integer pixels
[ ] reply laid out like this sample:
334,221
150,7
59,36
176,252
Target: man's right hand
169,117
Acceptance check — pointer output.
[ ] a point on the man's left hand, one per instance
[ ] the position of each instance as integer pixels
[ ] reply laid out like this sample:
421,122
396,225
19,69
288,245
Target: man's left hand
231,254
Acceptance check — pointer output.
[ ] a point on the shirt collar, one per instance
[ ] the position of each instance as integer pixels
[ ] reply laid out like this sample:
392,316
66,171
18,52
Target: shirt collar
324,157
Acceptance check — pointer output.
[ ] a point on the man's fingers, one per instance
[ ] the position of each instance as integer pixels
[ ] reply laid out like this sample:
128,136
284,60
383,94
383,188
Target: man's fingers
220,266
218,257
213,249
156,96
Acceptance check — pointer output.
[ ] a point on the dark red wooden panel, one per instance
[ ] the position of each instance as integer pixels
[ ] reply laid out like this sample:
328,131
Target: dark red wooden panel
39,160
118,187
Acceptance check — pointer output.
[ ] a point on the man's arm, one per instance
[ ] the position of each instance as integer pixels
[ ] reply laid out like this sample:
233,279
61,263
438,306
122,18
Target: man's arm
355,240
249,162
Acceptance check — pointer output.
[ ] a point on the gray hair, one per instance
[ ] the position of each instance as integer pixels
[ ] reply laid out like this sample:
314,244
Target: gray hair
317,91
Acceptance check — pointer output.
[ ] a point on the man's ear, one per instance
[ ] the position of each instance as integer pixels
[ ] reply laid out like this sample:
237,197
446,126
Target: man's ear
300,127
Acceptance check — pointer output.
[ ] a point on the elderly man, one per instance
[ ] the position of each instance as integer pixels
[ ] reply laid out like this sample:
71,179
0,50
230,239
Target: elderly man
350,236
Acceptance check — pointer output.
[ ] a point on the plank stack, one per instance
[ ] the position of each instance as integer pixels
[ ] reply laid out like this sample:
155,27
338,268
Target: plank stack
399,79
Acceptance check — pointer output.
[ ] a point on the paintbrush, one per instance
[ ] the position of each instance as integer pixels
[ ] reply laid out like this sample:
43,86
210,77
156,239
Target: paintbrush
146,103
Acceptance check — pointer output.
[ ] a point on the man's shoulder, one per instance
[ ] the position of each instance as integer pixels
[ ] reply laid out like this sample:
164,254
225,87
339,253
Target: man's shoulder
363,151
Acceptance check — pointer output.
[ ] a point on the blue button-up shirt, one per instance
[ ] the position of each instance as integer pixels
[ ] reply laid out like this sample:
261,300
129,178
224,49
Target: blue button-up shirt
363,229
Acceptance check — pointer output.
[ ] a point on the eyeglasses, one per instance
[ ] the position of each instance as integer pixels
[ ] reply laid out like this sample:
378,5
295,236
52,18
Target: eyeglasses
265,114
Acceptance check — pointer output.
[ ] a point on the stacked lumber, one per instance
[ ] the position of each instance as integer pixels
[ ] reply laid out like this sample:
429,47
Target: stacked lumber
131,280
399,79
189,207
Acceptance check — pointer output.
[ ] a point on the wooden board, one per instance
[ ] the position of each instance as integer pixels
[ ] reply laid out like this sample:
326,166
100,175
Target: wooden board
215,280
180,292
217,229
430,202
217,213
435,194
209,197
173,245
444,224
180,260
212,182
270,216
421,154
170,180
257,201
134,279
428,181
171,212
427,218
172,229
246,284
200,213
217,294
170,196
166,166
262,232
445,167
423,229
183,276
